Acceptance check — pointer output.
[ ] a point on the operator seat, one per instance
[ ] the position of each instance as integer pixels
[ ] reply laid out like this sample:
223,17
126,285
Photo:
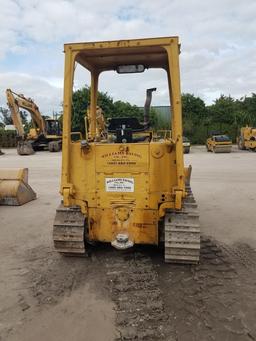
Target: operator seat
124,127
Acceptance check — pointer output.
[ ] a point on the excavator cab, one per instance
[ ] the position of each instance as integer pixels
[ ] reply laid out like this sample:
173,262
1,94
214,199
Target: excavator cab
52,127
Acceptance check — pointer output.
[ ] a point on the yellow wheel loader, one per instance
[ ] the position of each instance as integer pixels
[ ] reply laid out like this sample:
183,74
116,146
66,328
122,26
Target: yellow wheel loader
219,143
127,186
247,139
45,134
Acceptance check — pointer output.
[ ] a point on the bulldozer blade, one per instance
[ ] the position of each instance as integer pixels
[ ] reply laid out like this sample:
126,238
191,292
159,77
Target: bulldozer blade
14,187
25,148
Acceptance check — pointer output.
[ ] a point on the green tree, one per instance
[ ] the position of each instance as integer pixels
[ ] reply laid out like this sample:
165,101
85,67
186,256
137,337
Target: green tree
223,111
193,108
125,109
194,115
248,106
80,104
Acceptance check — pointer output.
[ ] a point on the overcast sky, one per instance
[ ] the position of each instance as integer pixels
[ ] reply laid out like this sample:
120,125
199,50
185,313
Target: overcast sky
218,45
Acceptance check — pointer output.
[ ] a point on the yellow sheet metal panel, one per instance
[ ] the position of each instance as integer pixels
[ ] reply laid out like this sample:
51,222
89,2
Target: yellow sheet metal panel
82,173
141,225
162,167
109,44
149,168
117,157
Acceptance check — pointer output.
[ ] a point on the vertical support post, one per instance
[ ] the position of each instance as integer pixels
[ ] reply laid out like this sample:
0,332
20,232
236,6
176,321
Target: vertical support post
93,100
175,95
67,111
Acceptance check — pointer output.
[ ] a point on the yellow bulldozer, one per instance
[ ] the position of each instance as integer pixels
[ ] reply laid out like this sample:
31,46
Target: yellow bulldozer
45,134
126,187
219,143
247,139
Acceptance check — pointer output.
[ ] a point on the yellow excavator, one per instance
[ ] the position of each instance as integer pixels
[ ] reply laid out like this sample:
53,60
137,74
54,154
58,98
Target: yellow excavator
247,139
45,134
126,186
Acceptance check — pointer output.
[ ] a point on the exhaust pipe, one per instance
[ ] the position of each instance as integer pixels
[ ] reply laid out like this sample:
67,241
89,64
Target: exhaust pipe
147,105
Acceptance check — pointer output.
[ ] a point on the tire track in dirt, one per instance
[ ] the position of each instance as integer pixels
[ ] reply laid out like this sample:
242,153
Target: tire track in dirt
214,300
135,290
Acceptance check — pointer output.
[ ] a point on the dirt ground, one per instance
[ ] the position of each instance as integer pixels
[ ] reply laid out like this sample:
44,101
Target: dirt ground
132,295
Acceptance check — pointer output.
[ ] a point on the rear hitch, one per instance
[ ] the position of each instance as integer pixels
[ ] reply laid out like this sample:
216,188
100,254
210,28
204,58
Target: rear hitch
122,242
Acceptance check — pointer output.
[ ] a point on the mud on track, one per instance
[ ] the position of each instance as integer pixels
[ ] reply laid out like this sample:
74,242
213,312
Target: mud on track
152,300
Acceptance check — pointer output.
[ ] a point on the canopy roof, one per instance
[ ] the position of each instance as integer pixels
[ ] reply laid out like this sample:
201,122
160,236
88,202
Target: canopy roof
107,55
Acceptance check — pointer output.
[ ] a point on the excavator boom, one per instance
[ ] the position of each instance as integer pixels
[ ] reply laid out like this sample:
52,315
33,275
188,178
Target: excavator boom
16,101
15,114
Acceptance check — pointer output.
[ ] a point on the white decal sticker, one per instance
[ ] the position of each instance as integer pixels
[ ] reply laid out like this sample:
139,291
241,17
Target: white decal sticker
119,184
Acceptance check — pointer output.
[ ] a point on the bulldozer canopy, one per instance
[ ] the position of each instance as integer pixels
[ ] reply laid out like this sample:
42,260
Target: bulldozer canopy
103,56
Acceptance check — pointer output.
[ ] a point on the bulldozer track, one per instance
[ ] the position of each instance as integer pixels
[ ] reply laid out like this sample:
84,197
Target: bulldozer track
68,231
135,291
182,233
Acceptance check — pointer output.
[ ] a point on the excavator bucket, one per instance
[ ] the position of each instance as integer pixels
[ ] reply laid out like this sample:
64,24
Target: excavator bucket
25,148
14,187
